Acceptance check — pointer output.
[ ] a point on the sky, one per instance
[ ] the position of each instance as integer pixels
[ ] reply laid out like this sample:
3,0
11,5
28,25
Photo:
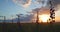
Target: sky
11,8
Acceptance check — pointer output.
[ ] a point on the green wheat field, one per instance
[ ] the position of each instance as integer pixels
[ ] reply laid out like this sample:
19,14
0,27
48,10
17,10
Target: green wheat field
30,27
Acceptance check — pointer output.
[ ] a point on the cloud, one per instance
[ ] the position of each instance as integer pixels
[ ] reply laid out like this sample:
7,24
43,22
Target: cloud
24,3
43,2
42,10
27,3
55,3
25,18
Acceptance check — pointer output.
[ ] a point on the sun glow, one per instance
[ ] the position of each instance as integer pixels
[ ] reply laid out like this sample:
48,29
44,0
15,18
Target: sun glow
43,17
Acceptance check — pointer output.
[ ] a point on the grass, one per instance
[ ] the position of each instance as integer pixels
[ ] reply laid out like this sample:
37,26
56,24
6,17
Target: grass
30,27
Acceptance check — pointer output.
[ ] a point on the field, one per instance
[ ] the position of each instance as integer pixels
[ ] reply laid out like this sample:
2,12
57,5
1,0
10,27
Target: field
29,27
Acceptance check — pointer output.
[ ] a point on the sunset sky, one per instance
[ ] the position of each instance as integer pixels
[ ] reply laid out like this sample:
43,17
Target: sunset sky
10,8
